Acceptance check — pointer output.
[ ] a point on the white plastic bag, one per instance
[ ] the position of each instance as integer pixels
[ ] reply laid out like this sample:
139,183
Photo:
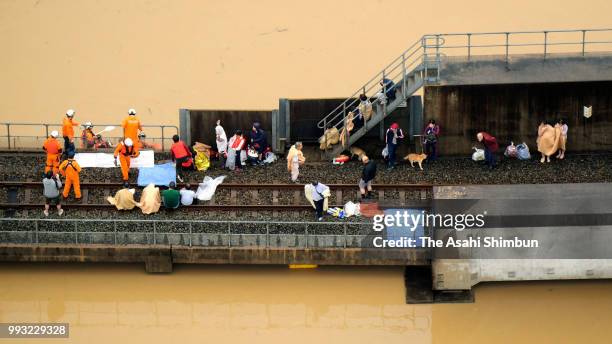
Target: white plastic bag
351,209
270,158
206,189
230,161
523,151
478,154
385,153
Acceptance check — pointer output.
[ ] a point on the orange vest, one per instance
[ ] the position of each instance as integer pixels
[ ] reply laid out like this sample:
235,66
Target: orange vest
238,142
68,127
70,168
131,124
179,150
52,146
126,151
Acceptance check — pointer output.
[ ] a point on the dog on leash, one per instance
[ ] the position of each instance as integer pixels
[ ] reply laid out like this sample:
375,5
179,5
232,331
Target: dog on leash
418,158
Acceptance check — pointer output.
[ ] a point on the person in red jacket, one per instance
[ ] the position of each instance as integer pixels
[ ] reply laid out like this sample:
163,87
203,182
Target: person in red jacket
181,155
491,147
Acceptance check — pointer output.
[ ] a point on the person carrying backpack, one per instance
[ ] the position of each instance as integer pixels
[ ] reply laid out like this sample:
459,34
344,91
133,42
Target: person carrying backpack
71,169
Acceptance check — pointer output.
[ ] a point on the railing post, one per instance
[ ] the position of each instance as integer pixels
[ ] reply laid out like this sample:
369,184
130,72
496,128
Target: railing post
404,76
115,233
345,238
8,134
507,43
229,235
385,93
76,233
583,40
163,145
545,43
325,131
425,58
469,46
190,231
36,230
267,235
306,231
154,233
46,130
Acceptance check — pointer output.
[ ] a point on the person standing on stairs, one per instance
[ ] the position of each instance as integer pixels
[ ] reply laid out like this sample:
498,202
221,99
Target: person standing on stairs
392,137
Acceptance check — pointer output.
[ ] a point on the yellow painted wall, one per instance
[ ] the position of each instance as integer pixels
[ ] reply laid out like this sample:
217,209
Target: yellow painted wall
103,57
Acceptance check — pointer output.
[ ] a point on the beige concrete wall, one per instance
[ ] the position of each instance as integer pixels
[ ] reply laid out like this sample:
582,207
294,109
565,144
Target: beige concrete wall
103,57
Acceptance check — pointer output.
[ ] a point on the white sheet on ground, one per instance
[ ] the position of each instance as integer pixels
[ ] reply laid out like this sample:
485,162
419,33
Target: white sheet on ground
105,160
206,189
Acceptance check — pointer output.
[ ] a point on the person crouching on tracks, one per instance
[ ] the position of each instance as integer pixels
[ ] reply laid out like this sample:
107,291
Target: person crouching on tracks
367,175
88,138
126,151
124,198
51,190
182,157
236,143
54,150
295,158
71,169
187,195
318,194
171,198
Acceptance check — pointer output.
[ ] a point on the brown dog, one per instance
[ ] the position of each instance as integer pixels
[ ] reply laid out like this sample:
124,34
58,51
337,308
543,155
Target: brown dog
357,151
418,158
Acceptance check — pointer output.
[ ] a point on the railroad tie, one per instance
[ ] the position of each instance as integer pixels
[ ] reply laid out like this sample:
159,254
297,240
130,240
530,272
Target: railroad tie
339,197
84,196
275,202
402,198
27,193
296,197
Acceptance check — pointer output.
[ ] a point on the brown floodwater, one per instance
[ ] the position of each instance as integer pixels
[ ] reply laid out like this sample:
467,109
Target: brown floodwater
223,304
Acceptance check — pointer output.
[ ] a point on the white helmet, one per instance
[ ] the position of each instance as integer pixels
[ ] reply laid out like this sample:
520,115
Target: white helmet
70,113
131,112
54,133
128,142
88,125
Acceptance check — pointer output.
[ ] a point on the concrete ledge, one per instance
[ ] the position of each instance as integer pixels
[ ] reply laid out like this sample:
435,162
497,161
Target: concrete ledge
527,68
161,257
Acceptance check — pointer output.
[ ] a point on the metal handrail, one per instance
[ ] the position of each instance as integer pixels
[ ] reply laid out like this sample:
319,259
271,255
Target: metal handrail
73,236
438,42
47,131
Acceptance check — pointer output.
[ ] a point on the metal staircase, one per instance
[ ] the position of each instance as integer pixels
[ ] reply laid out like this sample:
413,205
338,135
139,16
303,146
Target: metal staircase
414,68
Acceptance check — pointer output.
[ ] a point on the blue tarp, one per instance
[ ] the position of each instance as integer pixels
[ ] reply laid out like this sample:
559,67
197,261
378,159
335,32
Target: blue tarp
160,175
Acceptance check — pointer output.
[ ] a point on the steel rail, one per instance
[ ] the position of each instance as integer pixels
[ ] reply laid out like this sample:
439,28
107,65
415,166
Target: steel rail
30,184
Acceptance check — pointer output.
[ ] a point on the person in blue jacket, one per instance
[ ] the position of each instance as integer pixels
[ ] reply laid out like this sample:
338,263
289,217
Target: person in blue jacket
388,89
258,139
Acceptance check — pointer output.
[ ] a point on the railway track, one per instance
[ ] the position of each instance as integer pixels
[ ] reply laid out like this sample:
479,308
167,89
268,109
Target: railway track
228,197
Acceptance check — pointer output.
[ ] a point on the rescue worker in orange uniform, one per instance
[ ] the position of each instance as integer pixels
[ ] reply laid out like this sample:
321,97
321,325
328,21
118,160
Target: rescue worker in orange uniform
125,150
71,169
53,149
131,125
68,125
88,138
181,155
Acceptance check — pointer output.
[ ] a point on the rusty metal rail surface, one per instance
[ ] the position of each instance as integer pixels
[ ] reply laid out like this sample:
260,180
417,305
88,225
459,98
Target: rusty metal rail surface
293,196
